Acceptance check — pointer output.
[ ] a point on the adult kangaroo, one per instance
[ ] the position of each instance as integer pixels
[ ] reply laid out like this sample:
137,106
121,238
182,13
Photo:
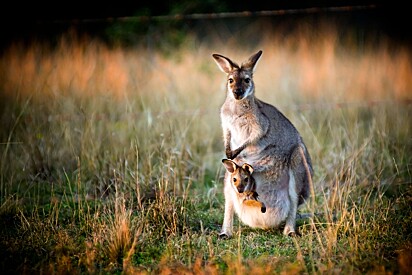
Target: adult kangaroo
257,133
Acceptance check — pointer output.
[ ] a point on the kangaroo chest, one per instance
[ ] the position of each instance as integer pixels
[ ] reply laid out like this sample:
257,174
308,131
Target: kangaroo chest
243,124
242,128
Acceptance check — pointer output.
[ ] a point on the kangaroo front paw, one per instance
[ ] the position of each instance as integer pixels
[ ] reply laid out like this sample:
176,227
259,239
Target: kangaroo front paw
236,152
229,154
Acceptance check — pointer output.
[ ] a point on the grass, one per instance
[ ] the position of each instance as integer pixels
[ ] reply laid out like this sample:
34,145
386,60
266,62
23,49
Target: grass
110,158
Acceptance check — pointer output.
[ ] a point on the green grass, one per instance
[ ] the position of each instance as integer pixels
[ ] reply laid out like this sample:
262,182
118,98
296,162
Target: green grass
110,160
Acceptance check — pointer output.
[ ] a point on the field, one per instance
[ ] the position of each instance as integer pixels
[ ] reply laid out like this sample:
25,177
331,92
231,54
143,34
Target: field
111,156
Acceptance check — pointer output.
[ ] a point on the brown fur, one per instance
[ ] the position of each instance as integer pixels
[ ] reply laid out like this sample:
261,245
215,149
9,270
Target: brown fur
243,182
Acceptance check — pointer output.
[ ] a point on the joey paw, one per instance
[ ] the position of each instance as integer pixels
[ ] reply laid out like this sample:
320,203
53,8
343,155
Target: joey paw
263,208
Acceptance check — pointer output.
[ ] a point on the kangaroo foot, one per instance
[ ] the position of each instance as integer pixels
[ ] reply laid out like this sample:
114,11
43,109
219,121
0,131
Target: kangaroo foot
289,230
224,235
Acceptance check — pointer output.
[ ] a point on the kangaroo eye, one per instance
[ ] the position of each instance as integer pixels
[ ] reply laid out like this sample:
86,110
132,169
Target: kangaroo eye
247,80
246,179
234,179
230,80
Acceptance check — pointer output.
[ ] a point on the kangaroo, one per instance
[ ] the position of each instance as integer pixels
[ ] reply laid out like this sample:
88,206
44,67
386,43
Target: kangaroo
257,133
242,187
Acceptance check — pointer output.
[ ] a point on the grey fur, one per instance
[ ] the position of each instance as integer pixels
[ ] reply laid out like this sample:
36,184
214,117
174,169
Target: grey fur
257,133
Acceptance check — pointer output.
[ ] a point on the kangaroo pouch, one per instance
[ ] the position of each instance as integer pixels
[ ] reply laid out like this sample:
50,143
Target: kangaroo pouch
275,196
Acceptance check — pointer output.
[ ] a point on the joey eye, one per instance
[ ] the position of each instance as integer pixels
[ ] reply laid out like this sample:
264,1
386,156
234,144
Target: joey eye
234,179
231,80
247,80
246,179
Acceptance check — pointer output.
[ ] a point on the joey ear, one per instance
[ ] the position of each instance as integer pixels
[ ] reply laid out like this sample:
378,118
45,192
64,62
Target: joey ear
251,63
248,168
229,165
225,64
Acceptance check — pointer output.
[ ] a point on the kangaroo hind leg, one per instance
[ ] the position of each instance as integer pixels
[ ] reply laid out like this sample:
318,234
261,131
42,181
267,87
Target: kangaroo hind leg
293,198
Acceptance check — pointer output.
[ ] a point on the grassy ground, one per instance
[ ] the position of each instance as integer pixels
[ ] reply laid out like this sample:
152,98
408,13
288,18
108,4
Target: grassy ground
110,158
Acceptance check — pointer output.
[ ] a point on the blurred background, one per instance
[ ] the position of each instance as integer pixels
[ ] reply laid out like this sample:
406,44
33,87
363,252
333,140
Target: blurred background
109,117
313,46
42,19
154,57
148,60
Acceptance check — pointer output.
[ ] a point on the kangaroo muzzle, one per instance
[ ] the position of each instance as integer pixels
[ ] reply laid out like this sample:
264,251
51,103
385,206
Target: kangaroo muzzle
240,189
238,93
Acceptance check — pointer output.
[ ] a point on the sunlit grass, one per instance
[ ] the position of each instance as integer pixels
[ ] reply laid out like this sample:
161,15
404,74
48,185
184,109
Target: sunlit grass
110,157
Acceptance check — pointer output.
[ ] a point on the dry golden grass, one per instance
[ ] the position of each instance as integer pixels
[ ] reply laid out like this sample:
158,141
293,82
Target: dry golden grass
311,64
110,156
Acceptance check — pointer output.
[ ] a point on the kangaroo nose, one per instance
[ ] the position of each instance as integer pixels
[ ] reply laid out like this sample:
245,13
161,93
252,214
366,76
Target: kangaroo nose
238,91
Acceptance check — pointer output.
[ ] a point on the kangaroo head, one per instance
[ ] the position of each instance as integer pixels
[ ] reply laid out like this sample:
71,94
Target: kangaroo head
239,78
240,176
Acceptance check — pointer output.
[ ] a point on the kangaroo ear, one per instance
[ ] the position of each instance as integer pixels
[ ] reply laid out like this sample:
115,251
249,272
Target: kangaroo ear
251,63
225,64
248,168
229,165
